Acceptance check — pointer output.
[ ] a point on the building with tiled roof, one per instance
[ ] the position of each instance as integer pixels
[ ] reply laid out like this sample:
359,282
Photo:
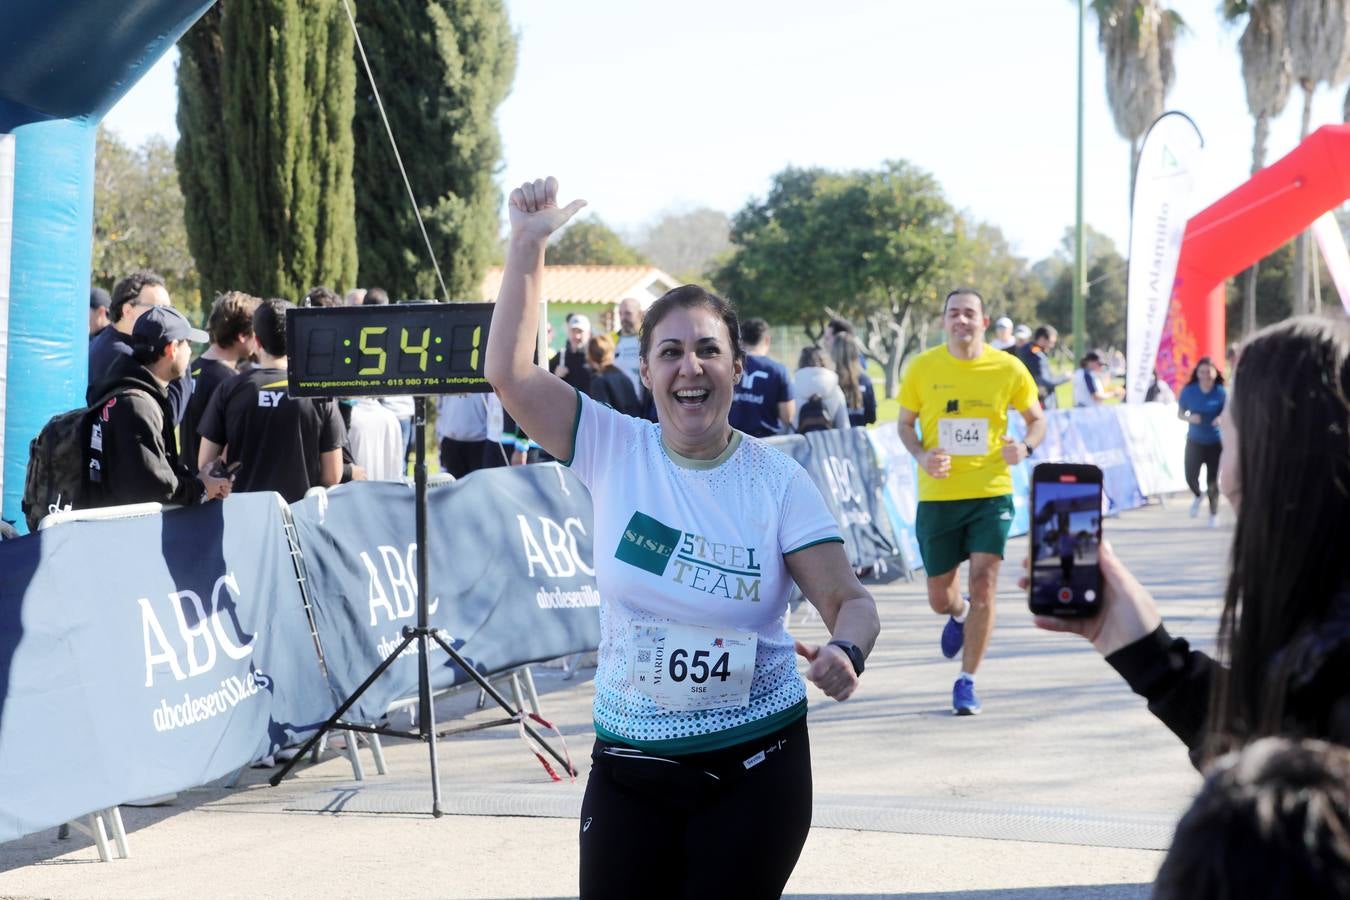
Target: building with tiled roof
594,291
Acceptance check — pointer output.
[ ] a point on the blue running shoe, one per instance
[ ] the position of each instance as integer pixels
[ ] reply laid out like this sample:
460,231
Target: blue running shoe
964,701
954,635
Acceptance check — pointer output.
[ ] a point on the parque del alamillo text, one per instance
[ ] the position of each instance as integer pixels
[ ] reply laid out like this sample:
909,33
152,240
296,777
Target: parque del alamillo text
409,348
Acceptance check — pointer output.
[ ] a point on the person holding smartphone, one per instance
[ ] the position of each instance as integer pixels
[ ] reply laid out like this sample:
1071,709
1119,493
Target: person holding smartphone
1284,634
959,393
701,761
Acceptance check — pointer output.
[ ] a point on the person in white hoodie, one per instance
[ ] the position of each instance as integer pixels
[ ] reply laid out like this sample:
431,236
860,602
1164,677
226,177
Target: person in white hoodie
814,376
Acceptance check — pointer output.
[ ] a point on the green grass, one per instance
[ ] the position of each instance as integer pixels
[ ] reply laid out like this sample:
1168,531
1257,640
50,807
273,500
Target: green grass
888,408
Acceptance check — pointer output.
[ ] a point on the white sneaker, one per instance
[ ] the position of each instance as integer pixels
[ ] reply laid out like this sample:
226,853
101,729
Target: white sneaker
1195,507
1214,520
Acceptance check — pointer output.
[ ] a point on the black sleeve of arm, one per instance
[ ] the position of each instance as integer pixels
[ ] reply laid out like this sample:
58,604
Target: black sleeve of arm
212,423
332,432
145,473
180,392
869,403
1174,679
599,391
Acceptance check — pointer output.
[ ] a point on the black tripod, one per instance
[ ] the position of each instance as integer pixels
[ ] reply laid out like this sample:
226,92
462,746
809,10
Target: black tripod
423,634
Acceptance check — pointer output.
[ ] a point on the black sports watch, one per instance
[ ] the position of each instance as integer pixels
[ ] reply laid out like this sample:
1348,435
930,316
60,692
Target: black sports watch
855,655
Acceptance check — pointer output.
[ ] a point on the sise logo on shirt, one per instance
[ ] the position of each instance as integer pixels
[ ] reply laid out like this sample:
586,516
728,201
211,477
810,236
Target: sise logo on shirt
953,406
725,570
647,544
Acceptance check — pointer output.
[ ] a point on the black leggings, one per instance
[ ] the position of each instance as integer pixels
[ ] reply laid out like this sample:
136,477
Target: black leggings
1207,455
662,827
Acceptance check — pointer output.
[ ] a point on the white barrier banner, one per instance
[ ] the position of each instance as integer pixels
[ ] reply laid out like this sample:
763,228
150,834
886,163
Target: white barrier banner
1155,440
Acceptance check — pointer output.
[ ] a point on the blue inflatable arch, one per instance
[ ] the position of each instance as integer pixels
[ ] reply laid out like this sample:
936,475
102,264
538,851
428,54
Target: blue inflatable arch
63,65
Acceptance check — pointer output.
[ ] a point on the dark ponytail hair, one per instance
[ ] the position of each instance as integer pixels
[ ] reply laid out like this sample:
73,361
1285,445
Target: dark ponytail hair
1291,409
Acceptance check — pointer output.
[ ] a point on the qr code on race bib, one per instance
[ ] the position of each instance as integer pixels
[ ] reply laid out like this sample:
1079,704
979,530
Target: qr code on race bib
644,655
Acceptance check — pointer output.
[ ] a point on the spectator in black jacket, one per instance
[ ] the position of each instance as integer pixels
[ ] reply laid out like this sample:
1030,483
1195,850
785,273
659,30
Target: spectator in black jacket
610,384
853,381
570,365
230,327
131,297
132,437
281,443
1284,634
1035,355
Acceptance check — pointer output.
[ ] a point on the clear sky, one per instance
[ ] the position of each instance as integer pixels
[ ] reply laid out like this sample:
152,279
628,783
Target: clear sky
643,107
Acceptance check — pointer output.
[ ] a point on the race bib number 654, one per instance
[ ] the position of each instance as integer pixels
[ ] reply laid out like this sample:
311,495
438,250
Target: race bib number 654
688,667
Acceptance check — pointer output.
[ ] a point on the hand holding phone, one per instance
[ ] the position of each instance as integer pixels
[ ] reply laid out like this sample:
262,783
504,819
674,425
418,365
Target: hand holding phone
1128,611
1065,580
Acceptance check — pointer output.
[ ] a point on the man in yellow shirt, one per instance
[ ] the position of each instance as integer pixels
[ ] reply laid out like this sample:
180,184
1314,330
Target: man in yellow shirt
959,394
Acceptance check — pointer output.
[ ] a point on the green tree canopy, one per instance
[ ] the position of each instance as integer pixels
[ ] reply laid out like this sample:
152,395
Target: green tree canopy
877,246
442,68
985,261
687,244
138,218
591,242
266,93
1105,301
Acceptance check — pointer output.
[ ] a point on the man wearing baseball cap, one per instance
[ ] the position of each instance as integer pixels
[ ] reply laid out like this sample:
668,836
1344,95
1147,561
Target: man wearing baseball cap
133,453
1003,334
570,365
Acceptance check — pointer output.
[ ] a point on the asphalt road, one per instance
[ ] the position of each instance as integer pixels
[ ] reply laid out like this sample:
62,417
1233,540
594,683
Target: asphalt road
1065,787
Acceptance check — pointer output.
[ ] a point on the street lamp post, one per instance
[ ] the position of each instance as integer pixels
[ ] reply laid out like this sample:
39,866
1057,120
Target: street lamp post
1080,249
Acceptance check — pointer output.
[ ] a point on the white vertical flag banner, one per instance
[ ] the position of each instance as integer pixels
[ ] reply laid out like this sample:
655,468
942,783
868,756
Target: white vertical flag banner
1163,185
1332,244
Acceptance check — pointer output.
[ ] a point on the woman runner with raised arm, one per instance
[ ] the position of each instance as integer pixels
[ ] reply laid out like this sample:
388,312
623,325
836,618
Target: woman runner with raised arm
701,769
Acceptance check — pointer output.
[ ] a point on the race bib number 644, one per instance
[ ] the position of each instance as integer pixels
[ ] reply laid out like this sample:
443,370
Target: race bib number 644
689,667
964,437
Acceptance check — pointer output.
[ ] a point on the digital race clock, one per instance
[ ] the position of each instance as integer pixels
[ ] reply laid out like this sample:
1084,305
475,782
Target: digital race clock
411,348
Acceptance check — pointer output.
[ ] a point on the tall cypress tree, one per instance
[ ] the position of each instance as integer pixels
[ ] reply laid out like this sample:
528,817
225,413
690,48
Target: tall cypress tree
200,155
442,67
269,179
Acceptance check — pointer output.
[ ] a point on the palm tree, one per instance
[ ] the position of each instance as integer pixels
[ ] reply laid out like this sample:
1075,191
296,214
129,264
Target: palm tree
1137,37
1265,71
1319,50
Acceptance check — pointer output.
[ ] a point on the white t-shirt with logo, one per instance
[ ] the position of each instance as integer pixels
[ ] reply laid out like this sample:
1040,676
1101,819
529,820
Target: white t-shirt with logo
692,542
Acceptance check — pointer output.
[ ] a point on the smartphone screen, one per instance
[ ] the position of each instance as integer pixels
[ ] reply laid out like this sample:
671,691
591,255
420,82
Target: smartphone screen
1066,530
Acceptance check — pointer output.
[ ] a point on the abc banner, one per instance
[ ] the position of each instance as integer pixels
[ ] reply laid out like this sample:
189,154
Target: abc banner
148,655
510,576
844,467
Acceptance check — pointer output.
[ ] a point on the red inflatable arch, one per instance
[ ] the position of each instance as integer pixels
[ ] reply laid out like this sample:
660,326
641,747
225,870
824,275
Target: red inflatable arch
1250,223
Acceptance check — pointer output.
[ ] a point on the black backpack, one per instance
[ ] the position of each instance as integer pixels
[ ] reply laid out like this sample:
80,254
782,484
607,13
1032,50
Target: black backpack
64,469
813,416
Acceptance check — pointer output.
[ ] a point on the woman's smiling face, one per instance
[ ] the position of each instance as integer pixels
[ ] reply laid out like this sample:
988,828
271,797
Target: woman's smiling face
691,370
